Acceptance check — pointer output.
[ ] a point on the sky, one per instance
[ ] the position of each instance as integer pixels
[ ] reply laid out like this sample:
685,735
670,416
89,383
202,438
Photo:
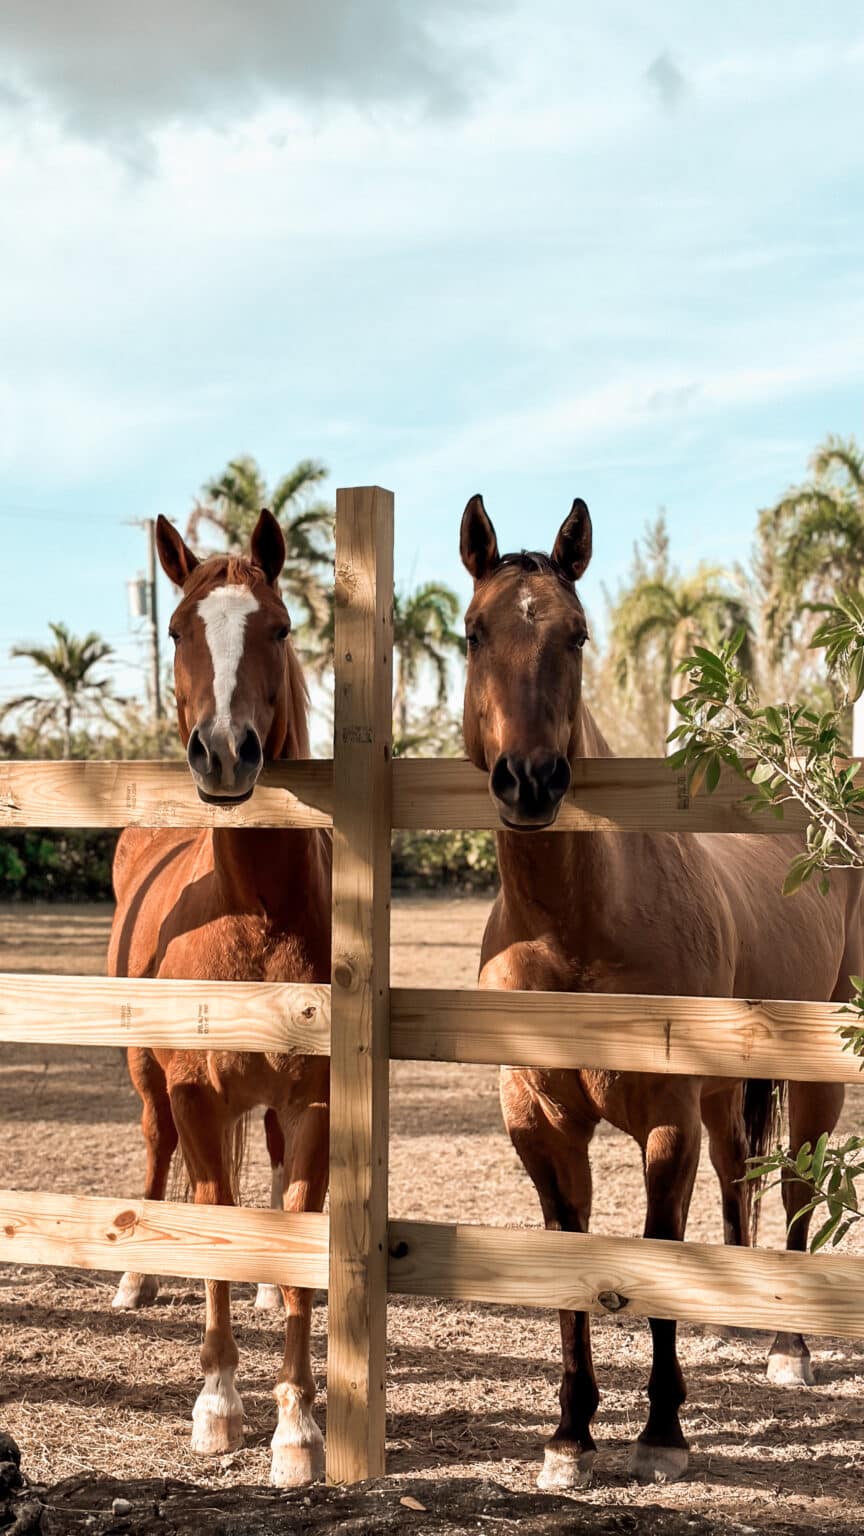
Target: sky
537,251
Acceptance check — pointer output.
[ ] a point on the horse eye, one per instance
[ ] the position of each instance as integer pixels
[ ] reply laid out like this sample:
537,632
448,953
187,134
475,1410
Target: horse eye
472,640
284,632
173,635
580,639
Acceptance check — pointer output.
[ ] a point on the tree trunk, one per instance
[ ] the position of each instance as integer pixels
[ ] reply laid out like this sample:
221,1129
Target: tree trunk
858,728
67,730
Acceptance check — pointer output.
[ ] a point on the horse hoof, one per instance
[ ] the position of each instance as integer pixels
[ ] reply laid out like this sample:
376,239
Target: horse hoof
295,1465
268,1298
790,1371
657,1463
565,1466
135,1291
216,1435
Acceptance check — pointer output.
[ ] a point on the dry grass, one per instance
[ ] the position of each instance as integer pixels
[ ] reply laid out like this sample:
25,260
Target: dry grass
472,1388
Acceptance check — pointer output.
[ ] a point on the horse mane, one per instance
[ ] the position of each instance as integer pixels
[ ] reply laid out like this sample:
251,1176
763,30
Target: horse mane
238,571
532,560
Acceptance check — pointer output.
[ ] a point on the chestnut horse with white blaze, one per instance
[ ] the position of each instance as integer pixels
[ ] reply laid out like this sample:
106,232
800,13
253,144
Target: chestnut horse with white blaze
698,915
233,904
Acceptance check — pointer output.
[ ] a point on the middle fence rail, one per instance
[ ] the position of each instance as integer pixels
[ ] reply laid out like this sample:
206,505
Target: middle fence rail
359,1254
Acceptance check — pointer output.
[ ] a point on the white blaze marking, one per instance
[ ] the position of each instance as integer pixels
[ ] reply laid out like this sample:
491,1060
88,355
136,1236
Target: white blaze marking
225,611
526,604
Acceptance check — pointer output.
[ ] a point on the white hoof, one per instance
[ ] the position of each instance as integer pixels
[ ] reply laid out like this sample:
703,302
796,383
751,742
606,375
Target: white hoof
217,1418
268,1298
790,1371
657,1463
297,1444
295,1465
135,1291
565,1467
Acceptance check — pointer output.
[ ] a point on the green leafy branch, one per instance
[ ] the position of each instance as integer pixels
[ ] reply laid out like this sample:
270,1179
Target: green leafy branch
788,753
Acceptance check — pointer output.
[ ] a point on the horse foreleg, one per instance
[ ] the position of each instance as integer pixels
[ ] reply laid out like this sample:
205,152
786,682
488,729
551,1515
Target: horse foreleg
269,1297
723,1118
217,1417
298,1444
556,1160
160,1137
671,1155
813,1109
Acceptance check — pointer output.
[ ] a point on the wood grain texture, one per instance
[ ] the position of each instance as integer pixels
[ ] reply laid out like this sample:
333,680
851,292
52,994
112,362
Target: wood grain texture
623,793
287,1017
693,1282
156,794
627,794
699,1036
360,1001
156,1237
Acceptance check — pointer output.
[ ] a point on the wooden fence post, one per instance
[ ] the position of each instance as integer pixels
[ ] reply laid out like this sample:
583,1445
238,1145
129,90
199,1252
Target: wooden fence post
359,1064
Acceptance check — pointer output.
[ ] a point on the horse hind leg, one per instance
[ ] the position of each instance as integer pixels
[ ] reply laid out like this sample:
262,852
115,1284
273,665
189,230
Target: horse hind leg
160,1137
814,1108
269,1297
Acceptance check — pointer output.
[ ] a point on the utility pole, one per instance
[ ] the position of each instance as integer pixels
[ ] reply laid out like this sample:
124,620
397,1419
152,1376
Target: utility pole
142,605
156,692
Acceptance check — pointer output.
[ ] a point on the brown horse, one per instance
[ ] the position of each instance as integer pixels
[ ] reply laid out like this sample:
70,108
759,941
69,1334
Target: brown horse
635,912
229,905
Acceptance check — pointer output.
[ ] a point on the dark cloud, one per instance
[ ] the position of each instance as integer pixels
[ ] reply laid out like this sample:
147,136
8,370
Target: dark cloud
666,81
113,71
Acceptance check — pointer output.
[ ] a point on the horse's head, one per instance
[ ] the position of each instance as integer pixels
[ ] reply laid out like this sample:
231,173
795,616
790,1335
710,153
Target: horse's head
240,692
525,628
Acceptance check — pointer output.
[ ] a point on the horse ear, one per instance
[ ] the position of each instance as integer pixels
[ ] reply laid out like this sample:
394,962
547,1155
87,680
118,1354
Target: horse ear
175,556
572,552
478,545
268,546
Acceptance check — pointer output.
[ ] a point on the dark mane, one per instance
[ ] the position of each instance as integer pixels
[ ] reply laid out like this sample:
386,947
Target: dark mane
533,560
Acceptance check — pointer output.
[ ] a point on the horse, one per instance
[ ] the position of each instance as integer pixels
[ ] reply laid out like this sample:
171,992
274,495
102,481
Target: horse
233,904
661,913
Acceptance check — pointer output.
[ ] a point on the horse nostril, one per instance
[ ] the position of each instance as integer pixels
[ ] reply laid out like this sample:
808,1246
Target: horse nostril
504,781
558,779
197,755
250,752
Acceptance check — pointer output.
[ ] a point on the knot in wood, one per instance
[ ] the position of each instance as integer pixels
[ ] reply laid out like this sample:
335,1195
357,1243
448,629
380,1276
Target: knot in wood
309,1013
345,585
399,1250
343,974
125,1220
612,1301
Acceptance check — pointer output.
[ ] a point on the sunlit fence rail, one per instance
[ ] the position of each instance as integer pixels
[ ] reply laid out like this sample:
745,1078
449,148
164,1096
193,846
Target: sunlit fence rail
359,1254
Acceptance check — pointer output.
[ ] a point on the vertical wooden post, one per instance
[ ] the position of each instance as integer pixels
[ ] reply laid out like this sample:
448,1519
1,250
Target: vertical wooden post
359,1109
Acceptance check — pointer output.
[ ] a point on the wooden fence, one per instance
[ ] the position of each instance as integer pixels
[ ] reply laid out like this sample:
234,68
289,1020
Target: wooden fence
358,1254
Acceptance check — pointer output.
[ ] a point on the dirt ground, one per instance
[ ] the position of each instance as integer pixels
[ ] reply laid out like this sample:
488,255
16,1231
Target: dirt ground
472,1389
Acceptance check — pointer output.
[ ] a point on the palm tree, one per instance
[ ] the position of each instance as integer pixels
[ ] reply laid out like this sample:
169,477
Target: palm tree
232,502
815,536
68,663
423,638
670,613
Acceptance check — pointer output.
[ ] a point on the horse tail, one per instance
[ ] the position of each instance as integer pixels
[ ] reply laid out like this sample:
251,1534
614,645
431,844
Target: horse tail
764,1102
237,1156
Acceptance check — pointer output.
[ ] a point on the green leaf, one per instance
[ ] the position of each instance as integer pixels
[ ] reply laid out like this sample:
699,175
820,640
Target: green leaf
762,772
825,1232
712,776
819,1157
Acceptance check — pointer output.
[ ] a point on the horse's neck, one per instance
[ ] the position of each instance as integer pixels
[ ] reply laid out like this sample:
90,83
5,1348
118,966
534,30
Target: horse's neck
559,871
278,871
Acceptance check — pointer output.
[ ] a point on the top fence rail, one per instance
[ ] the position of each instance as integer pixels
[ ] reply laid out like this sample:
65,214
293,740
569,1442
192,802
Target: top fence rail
429,794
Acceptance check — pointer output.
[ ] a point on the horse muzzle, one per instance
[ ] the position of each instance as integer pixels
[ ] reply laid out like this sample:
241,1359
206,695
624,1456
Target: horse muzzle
225,763
528,790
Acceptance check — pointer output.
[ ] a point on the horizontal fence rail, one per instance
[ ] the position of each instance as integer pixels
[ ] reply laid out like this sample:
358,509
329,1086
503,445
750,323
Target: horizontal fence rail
698,1036
692,1282
205,1242
627,794
288,1017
